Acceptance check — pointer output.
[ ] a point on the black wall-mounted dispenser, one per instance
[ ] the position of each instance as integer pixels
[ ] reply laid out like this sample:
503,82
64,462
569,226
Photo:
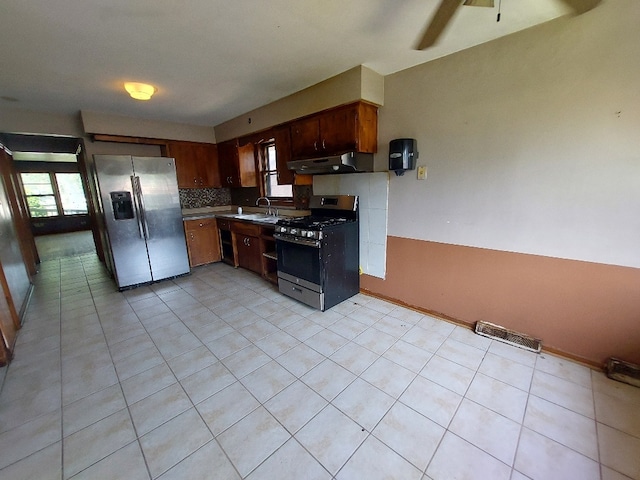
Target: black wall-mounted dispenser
403,153
122,205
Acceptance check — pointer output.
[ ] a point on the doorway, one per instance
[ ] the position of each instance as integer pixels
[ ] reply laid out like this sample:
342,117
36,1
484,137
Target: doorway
51,175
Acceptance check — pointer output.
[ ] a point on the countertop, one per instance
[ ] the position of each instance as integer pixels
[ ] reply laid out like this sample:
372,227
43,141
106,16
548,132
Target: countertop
250,214
207,212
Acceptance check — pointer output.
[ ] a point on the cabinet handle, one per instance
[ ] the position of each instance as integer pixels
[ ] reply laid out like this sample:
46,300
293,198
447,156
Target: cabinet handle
315,145
323,147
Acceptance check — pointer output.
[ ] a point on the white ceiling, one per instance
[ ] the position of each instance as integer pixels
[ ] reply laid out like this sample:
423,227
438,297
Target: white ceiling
213,60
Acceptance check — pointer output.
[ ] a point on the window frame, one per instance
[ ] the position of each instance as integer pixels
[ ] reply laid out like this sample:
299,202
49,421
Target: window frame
264,173
55,193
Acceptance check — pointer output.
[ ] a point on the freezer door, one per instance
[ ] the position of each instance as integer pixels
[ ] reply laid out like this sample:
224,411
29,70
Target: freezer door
124,231
161,216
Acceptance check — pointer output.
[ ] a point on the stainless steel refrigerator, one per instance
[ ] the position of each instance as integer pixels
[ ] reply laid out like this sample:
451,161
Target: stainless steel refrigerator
143,219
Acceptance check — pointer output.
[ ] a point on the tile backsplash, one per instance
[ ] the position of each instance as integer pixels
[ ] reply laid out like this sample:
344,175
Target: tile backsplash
215,197
373,192
204,197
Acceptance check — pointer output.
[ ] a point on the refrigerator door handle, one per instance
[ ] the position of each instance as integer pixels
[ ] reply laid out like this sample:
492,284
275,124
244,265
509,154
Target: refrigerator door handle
137,205
143,209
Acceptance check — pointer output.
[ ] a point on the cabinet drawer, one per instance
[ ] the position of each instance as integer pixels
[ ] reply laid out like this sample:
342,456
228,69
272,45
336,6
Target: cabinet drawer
223,224
200,223
245,228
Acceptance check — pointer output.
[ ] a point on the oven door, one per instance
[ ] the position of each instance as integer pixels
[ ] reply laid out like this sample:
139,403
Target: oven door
300,259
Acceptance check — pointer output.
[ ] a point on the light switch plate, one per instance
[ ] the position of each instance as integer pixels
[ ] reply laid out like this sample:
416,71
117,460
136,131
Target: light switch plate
422,172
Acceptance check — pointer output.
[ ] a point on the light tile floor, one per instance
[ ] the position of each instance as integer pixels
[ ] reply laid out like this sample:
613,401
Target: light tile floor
218,376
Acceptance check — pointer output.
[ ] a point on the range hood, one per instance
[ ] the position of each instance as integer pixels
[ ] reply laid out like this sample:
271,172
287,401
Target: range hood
350,162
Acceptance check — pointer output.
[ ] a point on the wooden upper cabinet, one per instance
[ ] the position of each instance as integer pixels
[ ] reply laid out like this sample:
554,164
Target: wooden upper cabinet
352,127
196,164
227,163
247,165
237,164
282,138
305,137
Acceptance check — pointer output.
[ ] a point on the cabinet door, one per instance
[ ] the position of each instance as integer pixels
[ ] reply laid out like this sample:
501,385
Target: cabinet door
185,164
228,163
342,129
247,165
249,255
338,130
206,155
282,138
305,138
196,164
202,241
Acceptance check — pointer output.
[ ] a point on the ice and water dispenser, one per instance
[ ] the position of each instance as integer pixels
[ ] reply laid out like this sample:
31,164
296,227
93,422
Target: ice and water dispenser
122,205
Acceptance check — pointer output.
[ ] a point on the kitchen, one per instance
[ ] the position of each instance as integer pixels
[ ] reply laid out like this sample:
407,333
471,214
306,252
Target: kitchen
537,229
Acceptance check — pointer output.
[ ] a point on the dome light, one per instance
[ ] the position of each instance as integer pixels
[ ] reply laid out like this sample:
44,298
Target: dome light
140,91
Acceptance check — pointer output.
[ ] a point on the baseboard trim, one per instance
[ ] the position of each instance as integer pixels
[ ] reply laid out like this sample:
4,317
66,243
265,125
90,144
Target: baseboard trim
471,326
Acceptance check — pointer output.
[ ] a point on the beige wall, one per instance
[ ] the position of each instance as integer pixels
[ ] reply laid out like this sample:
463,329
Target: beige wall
532,146
79,125
359,83
531,142
16,120
95,122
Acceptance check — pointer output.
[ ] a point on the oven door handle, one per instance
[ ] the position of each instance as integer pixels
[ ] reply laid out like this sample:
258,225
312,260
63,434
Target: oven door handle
298,241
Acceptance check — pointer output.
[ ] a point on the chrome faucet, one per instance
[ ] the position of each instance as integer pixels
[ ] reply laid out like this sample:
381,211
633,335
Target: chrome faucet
269,212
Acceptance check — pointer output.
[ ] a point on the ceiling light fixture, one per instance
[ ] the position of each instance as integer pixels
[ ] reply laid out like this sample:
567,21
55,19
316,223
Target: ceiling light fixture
140,91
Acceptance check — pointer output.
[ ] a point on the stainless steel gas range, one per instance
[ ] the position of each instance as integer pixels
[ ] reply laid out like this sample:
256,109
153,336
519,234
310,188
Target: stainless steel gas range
319,255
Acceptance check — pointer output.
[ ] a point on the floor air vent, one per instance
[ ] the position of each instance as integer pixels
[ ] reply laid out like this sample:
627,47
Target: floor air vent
502,334
623,371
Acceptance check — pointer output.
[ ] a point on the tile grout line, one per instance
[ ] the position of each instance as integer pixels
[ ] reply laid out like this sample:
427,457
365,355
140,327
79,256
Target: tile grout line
62,476
396,399
193,405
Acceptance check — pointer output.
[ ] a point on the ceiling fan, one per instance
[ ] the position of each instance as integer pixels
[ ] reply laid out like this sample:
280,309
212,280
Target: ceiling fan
447,8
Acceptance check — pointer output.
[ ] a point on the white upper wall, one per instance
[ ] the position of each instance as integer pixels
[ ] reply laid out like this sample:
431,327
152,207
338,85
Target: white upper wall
531,141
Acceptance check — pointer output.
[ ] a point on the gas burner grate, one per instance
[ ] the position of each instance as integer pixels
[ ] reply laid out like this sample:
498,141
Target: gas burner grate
502,334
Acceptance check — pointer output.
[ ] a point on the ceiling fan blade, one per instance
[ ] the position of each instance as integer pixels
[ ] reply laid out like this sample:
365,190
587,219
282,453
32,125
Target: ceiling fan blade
581,6
479,3
438,23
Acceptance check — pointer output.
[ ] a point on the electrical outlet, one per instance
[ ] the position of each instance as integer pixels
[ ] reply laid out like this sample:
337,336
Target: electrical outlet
422,172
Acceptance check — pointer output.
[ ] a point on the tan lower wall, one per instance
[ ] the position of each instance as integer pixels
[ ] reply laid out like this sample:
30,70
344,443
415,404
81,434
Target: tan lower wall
588,311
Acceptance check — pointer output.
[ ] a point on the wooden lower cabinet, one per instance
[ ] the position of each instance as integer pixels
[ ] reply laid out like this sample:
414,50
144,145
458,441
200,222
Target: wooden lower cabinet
268,252
253,247
249,255
203,243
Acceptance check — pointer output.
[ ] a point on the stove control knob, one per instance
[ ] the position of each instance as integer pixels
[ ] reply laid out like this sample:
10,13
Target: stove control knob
311,234
303,233
293,231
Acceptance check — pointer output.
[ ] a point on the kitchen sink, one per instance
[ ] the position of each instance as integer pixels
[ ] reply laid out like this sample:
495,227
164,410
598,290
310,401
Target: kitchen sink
256,217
